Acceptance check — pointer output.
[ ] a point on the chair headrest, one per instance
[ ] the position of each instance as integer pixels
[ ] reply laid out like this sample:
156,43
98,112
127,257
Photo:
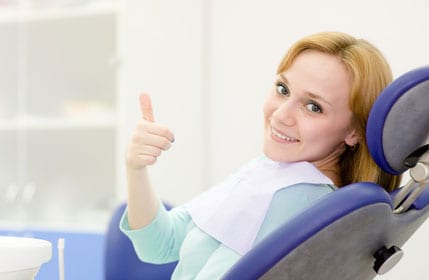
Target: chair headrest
398,124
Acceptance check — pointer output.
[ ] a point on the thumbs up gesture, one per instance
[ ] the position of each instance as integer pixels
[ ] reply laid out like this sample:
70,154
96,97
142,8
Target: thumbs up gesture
149,139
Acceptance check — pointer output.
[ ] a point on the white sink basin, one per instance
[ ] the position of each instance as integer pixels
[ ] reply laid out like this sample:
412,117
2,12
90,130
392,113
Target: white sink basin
21,258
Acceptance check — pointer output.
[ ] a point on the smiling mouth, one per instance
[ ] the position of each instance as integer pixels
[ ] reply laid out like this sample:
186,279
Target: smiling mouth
283,137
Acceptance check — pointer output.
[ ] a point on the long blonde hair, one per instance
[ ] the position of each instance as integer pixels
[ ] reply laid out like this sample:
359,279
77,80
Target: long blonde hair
370,75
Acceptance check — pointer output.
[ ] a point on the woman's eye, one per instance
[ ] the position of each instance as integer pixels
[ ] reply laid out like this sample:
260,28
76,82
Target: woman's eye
282,89
313,107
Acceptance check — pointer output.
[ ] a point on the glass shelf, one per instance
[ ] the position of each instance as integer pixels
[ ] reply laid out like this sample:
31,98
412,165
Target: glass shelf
15,13
57,123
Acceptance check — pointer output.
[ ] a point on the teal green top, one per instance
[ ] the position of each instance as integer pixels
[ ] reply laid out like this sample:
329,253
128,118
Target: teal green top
172,235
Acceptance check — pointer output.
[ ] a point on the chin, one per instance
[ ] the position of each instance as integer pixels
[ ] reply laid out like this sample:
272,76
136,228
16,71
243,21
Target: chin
272,155
276,154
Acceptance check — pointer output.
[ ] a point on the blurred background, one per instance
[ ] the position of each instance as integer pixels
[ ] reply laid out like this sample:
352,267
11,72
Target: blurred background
71,72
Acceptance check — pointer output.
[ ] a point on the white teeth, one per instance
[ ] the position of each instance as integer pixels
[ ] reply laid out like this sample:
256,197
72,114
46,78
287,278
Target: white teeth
284,137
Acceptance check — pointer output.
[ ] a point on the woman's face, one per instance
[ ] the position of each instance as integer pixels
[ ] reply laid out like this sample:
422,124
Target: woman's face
307,116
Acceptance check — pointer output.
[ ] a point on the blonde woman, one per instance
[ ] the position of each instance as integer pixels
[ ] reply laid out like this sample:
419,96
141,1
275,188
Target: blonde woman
314,142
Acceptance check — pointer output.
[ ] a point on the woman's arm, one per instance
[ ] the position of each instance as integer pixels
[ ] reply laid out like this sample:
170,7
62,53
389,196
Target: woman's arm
160,241
147,143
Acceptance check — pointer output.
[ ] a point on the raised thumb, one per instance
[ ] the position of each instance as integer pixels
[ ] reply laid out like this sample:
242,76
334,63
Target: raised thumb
146,107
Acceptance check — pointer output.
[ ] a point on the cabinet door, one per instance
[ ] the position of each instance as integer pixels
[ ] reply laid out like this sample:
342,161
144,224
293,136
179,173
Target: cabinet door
58,127
73,171
71,66
9,135
11,61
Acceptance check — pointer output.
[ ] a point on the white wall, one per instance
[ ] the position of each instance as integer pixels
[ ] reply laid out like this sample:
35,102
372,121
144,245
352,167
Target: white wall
248,39
211,63
163,55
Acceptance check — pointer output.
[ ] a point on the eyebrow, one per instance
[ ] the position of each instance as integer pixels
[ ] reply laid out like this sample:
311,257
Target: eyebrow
310,94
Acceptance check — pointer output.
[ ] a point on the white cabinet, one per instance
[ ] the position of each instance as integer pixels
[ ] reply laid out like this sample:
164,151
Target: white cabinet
58,115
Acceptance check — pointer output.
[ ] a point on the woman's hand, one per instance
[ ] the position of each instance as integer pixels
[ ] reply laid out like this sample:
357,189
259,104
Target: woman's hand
149,139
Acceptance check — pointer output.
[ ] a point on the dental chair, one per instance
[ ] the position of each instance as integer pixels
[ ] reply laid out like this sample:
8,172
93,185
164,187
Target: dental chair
357,231
354,233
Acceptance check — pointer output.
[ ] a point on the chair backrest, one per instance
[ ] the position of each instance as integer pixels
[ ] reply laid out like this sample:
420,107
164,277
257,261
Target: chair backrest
355,232
335,239
121,261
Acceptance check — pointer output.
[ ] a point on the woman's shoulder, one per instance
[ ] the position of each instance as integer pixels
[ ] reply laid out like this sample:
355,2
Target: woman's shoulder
289,202
304,191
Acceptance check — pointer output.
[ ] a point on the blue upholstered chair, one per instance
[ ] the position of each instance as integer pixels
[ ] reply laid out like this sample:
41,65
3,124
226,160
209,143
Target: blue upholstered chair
353,233
120,259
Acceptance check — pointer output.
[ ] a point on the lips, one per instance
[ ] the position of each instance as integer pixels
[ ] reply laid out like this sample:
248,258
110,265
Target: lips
282,136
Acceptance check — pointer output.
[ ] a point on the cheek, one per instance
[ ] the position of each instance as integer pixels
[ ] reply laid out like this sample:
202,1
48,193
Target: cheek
344,126
333,135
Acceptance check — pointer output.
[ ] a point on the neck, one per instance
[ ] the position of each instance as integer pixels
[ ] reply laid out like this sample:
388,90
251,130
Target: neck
331,168
334,175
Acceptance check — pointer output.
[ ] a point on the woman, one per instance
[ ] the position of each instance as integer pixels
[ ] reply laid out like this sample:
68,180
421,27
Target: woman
314,142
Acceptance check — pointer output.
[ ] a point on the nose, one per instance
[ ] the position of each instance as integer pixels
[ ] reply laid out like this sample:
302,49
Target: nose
285,113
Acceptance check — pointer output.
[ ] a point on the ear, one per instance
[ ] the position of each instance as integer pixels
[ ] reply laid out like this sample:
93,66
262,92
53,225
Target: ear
352,138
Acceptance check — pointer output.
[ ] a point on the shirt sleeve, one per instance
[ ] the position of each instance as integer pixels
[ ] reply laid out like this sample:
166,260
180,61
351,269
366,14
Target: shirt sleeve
160,241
